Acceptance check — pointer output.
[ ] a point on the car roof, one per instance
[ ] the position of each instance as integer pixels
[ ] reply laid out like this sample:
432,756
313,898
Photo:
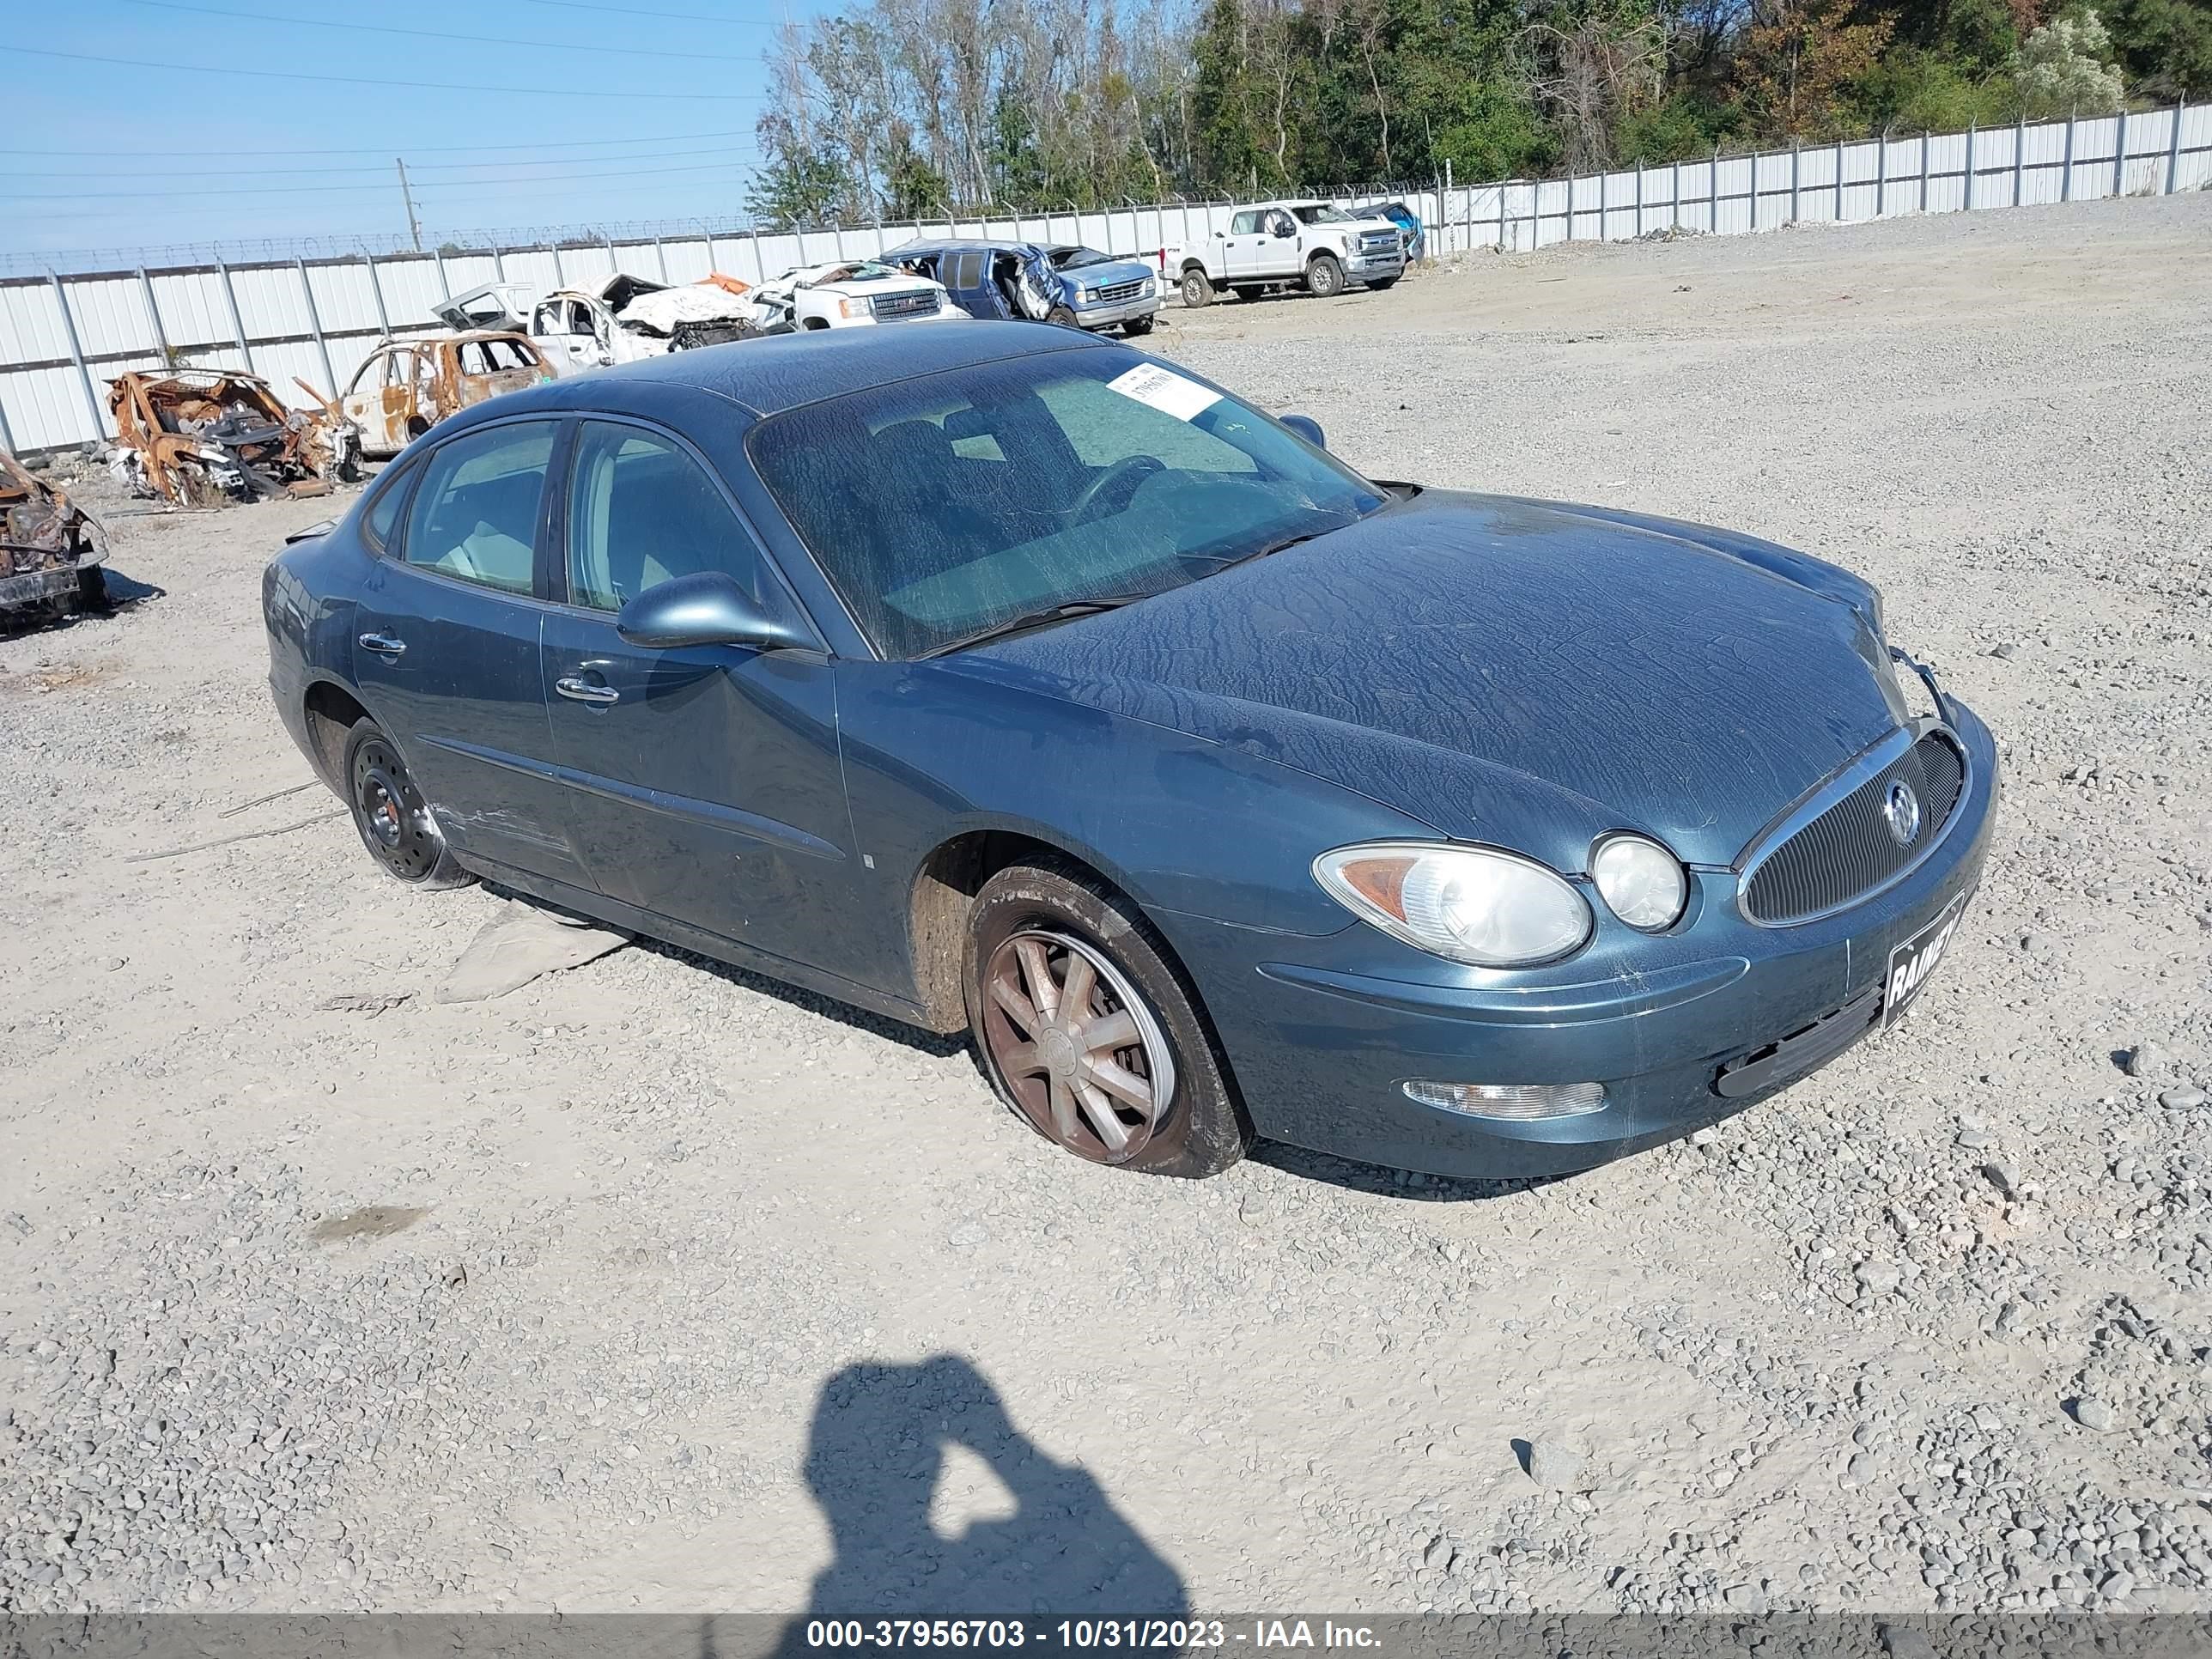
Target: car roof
958,244
784,371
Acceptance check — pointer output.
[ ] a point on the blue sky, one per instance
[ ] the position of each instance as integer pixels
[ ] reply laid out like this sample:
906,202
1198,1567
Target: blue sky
636,109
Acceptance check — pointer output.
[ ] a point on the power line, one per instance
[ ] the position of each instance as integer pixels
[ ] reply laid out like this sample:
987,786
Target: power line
170,154
491,185
439,167
174,69
639,11
432,34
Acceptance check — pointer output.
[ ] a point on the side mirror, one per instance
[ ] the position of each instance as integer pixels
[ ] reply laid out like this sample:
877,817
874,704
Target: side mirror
707,608
1307,428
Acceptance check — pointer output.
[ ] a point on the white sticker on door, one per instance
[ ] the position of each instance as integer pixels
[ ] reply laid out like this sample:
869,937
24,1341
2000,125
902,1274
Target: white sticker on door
1168,393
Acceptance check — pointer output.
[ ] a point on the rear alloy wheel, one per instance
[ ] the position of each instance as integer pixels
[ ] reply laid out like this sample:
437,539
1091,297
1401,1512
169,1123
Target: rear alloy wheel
395,823
1325,276
1100,1048
1197,291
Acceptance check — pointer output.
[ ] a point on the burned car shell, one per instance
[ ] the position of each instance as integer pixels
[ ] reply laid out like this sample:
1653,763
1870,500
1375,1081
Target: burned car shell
405,387
51,550
200,437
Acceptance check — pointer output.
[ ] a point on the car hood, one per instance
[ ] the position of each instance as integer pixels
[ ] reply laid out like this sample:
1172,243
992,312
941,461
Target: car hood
1506,670
1106,275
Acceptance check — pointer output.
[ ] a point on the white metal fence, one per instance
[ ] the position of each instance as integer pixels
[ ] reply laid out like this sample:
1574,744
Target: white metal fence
62,338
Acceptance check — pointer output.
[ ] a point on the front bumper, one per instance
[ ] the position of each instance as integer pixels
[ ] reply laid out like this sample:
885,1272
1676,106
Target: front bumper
1365,268
1112,316
1322,1032
34,586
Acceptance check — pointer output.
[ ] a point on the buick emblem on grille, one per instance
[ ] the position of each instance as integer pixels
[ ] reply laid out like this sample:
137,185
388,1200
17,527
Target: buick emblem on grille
1901,811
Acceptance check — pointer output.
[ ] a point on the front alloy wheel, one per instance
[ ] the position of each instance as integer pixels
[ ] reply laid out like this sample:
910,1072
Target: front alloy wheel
1087,1028
1082,1055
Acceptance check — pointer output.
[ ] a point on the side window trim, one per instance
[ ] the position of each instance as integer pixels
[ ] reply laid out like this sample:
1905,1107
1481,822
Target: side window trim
557,543
403,487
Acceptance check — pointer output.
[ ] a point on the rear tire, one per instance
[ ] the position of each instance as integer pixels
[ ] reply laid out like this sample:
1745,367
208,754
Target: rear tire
1197,289
1247,292
389,812
1325,276
1381,282
1035,930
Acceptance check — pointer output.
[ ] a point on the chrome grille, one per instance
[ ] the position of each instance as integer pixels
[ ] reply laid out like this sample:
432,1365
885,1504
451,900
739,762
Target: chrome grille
1379,241
1849,850
1117,292
887,306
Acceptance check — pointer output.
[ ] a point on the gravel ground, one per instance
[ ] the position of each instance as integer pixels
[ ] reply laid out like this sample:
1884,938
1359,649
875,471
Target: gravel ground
653,1286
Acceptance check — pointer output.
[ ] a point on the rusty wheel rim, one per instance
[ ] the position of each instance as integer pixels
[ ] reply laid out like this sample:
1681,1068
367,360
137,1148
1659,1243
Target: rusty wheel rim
1075,1046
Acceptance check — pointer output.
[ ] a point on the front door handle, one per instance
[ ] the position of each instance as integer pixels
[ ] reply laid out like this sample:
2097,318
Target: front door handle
384,645
578,690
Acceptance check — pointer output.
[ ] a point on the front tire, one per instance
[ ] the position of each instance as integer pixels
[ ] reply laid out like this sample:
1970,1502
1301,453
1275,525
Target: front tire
1063,316
1088,1032
394,823
1197,291
1135,325
1325,277
91,587
1381,282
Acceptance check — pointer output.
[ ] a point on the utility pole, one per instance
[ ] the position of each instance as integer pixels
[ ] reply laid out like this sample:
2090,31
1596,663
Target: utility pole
414,225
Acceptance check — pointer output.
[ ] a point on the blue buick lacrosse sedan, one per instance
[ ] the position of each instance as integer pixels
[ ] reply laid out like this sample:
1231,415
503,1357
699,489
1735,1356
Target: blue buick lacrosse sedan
1008,680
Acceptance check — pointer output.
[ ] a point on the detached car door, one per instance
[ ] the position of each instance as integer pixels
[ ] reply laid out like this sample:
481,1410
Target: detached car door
446,652
703,781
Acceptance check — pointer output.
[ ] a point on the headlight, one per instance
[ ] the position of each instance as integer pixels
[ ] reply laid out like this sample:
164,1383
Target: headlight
852,307
1144,290
1640,880
1471,904
1089,296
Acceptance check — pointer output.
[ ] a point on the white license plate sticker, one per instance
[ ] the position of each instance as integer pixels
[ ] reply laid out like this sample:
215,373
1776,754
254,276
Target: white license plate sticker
1912,963
1166,391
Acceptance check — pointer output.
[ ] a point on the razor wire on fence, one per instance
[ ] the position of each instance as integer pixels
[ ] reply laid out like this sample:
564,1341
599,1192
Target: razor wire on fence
312,310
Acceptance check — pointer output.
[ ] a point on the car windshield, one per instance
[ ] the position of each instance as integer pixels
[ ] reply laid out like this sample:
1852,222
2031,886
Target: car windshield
1323,215
1074,258
948,505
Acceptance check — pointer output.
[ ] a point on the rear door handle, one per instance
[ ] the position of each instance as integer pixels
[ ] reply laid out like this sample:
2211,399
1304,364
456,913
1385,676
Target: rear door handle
383,644
578,690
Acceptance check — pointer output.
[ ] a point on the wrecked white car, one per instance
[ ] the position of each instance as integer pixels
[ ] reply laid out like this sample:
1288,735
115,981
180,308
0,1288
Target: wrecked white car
849,293
623,321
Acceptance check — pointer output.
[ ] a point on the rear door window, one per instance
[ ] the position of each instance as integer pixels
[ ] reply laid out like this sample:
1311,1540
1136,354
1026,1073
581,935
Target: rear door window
475,515
966,269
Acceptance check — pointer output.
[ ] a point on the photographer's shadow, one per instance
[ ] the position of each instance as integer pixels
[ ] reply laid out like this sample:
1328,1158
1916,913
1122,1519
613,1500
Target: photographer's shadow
877,1454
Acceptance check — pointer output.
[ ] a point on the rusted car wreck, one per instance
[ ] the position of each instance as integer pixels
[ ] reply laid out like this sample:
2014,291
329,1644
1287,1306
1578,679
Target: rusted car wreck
202,437
51,553
405,387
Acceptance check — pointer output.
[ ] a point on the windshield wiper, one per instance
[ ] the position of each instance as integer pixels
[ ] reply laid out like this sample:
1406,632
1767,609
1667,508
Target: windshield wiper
1065,612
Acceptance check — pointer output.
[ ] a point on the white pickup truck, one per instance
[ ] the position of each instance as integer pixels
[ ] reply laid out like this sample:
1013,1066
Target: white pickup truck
1306,243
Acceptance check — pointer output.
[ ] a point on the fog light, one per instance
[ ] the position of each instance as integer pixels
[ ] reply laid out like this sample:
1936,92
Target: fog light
1523,1103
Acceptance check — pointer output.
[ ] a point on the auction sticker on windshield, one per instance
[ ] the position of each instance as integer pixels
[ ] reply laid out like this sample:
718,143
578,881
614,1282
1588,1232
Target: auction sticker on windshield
1913,963
1166,391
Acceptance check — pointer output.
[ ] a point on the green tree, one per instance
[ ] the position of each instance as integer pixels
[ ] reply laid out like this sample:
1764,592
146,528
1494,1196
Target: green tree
2067,65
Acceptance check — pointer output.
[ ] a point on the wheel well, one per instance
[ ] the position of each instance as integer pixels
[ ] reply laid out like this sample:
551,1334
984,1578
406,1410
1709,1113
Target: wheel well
1189,265
1323,254
331,713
